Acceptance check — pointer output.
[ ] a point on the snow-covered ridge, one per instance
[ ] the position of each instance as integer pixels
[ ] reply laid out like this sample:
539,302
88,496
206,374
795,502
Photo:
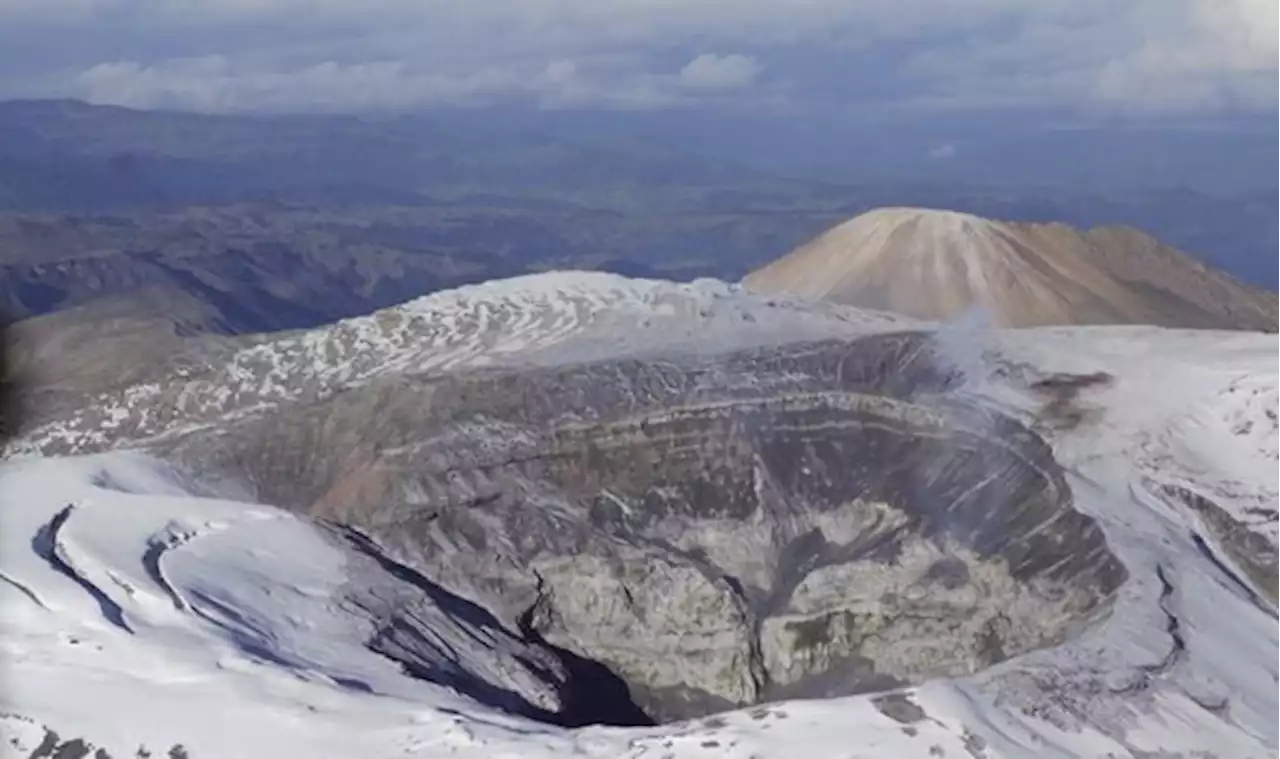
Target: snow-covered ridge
538,318
133,613
1226,445
1190,409
138,617
122,592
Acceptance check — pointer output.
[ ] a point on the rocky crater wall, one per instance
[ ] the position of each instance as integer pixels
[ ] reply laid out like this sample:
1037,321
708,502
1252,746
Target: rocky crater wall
811,520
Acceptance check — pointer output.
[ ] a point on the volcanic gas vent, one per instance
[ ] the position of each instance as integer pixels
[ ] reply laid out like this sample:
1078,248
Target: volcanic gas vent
803,521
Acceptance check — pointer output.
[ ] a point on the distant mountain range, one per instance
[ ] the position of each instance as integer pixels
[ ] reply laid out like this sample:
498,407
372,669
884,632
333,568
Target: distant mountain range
70,155
266,267
99,202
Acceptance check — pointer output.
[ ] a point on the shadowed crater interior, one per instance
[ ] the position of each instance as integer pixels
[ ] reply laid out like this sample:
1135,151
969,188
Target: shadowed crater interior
807,521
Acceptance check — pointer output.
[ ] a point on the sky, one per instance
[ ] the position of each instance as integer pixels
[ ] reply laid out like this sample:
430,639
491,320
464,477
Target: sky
1163,59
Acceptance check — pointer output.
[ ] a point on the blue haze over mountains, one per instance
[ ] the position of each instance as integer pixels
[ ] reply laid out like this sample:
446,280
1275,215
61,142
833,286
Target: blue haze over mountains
456,195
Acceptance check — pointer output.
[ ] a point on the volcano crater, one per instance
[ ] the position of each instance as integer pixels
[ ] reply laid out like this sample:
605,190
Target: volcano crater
802,521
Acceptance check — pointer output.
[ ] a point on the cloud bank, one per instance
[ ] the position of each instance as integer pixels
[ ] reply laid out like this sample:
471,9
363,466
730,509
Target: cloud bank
720,72
1144,56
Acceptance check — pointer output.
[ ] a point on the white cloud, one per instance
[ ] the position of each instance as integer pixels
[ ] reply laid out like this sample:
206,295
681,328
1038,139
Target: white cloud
562,72
943,152
333,54
1224,54
214,83
720,72
218,84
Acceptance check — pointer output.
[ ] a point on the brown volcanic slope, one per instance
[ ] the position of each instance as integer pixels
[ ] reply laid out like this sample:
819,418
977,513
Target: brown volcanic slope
937,264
